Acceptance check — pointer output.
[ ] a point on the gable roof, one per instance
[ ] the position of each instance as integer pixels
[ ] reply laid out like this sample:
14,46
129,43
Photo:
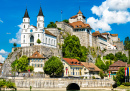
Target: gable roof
90,66
49,33
119,64
36,55
73,62
79,24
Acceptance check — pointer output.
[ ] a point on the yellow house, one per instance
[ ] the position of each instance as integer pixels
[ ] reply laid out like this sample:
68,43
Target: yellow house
72,67
37,61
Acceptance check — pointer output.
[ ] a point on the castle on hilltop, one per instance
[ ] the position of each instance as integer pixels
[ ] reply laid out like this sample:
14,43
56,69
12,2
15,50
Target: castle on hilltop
51,37
30,34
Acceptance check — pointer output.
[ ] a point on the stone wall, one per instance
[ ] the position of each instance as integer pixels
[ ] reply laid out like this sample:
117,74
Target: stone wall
115,51
94,41
83,37
64,26
43,50
61,83
119,45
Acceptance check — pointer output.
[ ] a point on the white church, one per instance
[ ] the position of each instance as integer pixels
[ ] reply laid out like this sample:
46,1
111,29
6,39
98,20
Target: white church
30,34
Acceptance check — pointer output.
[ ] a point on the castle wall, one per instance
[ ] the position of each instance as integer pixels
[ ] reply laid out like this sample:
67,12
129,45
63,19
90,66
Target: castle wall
94,41
119,45
83,37
64,26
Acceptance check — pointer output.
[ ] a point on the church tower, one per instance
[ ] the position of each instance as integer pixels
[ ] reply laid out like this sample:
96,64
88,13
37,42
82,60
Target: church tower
25,26
40,19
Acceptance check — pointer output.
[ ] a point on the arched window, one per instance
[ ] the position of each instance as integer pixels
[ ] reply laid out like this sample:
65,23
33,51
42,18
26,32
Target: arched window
46,40
38,35
52,42
49,41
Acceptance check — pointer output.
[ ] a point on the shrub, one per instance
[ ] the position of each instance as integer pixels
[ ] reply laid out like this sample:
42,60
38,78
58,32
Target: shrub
127,84
93,77
101,74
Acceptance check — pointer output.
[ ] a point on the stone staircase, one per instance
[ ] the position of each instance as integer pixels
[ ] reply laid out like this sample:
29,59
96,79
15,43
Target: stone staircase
6,69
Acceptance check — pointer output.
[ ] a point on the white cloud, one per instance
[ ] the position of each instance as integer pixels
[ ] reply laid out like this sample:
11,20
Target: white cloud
18,36
2,59
110,12
3,52
1,21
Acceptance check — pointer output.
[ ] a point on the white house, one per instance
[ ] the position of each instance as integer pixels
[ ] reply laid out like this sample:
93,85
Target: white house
30,34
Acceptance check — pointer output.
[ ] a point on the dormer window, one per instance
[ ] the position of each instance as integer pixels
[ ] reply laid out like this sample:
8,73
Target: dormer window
80,25
31,30
76,26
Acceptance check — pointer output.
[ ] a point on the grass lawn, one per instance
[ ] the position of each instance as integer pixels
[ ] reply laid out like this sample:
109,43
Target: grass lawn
124,87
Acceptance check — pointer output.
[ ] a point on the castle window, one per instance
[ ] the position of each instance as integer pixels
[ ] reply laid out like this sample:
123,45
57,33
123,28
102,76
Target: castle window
24,19
24,36
38,24
38,35
32,64
38,65
31,30
35,65
23,41
24,26
41,65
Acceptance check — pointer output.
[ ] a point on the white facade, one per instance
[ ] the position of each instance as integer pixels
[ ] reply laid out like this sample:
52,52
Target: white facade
78,17
30,34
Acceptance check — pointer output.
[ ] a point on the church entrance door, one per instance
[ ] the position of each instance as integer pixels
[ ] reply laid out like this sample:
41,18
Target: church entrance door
31,40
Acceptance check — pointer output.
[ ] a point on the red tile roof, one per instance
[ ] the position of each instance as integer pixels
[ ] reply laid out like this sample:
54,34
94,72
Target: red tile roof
49,33
79,24
79,12
119,64
90,66
36,55
114,34
74,62
97,33
104,33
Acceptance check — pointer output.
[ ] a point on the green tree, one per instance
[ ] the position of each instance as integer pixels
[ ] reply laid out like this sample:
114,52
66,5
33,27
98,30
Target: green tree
100,64
22,63
110,56
101,74
120,76
66,21
51,25
14,65
73,49
38,41
53,66
14,44
31,68
121,56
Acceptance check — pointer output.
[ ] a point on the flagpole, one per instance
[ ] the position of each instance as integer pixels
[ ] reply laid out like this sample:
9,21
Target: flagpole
61,15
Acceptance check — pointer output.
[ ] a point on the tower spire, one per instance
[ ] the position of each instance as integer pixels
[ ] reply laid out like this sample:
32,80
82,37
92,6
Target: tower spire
26,14
40,12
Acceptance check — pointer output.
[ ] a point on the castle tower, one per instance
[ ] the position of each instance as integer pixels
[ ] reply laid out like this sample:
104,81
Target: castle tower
40,20
25,26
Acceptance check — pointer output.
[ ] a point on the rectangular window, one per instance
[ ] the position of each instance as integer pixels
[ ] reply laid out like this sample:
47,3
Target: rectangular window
35,65
38,60
41,65
32,60
32,64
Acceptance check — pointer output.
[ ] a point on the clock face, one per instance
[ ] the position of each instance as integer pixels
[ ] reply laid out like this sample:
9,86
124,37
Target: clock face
31,30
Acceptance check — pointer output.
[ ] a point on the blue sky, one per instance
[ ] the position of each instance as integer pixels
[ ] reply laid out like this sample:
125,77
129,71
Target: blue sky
102,15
